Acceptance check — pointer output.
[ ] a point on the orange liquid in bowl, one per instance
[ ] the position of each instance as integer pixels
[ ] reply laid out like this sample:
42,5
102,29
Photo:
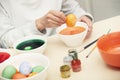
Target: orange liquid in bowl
72,30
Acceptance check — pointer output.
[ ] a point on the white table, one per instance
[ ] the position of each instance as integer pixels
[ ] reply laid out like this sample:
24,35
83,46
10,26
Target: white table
93,68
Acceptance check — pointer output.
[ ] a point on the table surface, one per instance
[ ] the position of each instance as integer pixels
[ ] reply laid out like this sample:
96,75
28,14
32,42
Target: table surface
93,67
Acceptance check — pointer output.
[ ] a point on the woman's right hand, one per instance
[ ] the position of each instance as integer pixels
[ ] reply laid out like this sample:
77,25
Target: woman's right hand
51,19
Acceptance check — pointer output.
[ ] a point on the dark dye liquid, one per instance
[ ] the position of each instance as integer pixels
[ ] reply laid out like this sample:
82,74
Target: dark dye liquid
34,43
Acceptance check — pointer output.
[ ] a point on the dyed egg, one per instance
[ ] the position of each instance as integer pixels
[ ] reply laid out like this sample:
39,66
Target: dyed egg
18,76
38,69
71,20
28,48
25,68
9,71
32,74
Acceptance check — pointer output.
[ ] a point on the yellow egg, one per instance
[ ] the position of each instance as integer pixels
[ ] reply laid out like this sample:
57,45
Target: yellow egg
71,20
32,74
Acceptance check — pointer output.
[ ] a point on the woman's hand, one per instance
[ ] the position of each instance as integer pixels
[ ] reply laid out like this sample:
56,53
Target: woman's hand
51,19
89,23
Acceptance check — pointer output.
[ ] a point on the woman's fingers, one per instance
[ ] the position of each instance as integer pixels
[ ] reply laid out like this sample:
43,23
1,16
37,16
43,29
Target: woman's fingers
59,15
55,17
89,23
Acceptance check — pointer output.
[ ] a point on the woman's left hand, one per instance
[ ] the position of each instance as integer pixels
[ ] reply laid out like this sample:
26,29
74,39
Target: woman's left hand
88,21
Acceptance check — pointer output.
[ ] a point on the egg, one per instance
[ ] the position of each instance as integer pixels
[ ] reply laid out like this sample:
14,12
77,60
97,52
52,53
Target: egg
71,20
9,71
32,74
38,69
18,76
28,48
25,68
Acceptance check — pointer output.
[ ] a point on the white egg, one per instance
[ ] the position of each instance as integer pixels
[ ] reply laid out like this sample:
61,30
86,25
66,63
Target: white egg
25,68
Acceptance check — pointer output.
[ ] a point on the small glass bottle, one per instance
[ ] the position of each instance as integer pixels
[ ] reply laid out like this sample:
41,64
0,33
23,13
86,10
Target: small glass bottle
67,60
65,71
75,63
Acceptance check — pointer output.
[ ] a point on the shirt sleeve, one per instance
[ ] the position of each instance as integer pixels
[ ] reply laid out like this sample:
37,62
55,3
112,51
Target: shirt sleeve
9,33
72,6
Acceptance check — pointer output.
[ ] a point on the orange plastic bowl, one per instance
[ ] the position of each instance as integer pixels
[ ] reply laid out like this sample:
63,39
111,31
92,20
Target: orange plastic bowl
109,48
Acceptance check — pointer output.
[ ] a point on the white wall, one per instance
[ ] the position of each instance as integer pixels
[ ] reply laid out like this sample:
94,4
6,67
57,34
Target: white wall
101,9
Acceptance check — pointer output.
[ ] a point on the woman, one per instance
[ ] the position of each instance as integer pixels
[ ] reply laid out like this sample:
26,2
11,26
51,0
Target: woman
19,18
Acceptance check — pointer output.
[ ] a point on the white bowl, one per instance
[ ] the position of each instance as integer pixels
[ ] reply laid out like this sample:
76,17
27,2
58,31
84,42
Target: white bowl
33,58
39,49
73,40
